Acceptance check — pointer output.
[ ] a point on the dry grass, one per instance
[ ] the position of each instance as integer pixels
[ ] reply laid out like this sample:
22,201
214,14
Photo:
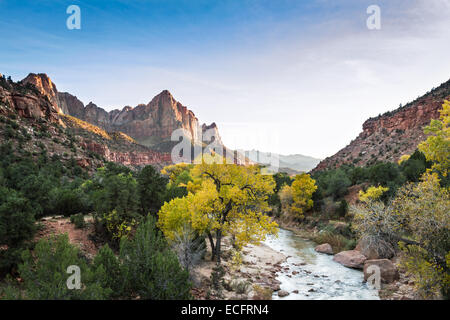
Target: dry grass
338,242
75,122
262,293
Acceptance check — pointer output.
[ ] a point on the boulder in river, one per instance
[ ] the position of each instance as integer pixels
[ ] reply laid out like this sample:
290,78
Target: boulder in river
351,259
388,271
283,293
324,248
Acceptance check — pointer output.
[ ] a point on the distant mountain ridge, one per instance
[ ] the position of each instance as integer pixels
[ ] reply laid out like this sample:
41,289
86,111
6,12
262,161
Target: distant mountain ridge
395,133
131,136
149,124
295,162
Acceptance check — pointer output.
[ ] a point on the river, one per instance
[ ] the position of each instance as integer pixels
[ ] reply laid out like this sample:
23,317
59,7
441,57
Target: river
318,277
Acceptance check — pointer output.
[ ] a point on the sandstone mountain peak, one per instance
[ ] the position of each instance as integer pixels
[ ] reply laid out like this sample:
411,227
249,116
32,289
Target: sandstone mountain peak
150,124
45,86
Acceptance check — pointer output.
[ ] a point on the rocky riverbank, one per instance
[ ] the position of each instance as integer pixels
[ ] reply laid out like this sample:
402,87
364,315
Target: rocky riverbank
253,278
396,283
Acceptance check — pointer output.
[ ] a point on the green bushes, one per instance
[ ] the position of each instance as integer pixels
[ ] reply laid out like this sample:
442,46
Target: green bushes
45,272
16,227
145,267
78,220
335,183
150,268
114,279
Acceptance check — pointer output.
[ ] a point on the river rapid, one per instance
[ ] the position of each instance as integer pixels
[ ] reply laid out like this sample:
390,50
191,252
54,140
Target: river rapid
315,275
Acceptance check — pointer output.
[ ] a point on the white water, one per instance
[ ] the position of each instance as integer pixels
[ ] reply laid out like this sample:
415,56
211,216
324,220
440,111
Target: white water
319,277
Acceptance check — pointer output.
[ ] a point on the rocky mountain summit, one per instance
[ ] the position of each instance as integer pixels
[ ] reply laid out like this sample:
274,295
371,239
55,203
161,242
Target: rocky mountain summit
149,124
31,113
132,136
389,136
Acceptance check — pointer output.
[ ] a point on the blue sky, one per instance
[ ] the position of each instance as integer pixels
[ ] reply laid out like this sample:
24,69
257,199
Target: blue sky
285,76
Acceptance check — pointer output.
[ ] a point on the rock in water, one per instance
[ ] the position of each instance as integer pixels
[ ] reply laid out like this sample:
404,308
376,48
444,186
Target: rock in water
351,259
324,248
283,293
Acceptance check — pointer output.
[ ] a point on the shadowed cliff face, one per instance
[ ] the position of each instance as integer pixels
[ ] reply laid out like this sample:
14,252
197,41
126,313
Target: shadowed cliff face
393,134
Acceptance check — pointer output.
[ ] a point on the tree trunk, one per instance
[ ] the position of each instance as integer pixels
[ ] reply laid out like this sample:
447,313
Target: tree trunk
213,248
218,243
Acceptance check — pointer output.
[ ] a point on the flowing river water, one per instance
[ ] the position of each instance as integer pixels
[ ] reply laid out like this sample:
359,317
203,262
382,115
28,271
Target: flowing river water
318,277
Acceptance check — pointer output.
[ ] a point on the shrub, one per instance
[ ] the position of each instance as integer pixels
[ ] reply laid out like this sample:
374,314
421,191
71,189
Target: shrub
67,201
189,247
45,272
78,220
17,225
262,293
150,268
240,287
117,226
114,278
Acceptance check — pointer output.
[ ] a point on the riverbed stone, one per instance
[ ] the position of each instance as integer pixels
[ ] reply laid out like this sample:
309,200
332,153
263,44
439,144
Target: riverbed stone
275,287
388,271
351,258
374,248
283,293
324,248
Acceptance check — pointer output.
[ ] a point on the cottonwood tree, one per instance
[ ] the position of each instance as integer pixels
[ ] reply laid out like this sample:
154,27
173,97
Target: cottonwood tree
437,146
302,188
223,199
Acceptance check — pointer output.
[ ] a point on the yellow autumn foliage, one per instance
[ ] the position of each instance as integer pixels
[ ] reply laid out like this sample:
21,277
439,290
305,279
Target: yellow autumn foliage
372,193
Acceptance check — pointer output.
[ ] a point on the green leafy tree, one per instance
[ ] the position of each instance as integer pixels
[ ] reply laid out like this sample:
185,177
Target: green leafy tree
302,188
223,199
437,146
151,187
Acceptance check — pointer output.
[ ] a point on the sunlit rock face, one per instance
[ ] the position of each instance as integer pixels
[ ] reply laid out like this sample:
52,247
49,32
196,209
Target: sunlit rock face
150,124
46,87
30,100
393,134
134,158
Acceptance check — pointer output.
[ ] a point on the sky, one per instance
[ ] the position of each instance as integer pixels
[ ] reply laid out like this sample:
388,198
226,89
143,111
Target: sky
282,76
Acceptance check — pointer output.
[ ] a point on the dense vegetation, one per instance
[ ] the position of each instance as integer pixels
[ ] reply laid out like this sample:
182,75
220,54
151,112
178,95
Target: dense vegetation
135,261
